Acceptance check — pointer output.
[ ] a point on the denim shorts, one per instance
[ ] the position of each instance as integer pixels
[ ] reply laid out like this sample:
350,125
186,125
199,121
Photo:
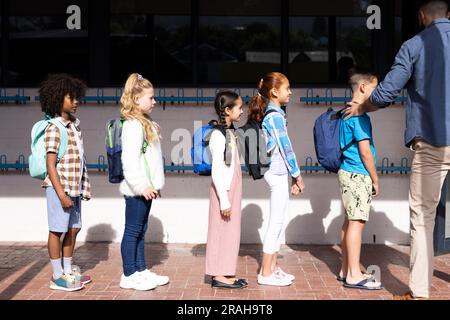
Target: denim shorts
60,219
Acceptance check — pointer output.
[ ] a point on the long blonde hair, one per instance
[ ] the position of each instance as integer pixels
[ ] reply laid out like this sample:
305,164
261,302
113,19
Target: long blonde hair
130,110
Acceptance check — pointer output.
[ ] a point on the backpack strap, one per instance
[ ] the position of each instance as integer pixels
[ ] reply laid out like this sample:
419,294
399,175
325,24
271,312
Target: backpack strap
215,126
268,112
223,131
339,115
63,138
145,145
347,147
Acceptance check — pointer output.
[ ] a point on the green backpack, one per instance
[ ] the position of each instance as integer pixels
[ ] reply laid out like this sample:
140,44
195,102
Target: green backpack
38,159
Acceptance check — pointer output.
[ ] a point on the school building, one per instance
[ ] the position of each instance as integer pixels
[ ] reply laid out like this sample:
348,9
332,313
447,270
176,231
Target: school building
189,49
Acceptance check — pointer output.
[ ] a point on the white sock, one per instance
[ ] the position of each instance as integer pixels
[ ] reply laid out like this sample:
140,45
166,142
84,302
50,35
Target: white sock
67,262
57,268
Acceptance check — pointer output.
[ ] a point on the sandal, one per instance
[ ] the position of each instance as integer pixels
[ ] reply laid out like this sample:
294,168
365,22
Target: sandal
363,285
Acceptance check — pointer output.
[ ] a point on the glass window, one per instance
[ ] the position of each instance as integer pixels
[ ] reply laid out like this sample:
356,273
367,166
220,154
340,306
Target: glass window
308,49
353,45
130,47
398,25
54,47
328,7
173,50
156,46
239,8
238,49
166,7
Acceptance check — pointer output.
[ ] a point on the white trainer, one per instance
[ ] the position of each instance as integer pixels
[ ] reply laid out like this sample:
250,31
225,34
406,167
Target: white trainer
284,274
136,282
274,280
159,280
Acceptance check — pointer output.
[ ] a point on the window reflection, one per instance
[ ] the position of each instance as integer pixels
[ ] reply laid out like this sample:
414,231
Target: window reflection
308,49
353,45
238,49
54,48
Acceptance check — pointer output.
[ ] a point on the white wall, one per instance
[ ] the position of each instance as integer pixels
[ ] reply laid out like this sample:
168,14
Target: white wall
181,215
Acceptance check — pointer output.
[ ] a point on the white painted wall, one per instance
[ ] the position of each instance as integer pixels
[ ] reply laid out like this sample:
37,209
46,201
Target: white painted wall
181,216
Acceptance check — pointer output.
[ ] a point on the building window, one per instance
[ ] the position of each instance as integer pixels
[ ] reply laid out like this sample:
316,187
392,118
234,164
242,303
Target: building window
353,45
39,41
308,50
172,50
42,44
238,49
156,46
130,47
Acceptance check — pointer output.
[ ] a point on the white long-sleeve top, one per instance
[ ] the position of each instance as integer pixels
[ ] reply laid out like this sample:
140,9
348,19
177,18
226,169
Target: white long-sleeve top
222,175
135,180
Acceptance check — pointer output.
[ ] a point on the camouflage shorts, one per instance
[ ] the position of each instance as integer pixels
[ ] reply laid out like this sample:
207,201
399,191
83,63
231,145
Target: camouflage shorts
356,191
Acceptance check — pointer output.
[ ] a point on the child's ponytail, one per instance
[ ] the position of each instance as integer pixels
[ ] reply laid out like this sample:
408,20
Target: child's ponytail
225,99
258,104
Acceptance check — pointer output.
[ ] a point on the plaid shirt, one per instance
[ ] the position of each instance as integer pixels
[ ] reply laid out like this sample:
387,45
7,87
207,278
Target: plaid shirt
72,176
275,131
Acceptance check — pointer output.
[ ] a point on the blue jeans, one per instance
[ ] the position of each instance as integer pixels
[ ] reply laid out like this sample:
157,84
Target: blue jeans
137,210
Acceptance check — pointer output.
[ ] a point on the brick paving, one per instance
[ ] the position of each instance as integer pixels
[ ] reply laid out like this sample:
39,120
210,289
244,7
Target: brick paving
25,273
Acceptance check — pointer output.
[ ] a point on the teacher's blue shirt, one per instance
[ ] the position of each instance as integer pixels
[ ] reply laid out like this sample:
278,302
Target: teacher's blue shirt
423,66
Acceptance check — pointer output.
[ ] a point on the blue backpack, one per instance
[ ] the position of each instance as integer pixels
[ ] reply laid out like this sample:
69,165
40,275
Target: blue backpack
37,161
113,144
200,154
327,140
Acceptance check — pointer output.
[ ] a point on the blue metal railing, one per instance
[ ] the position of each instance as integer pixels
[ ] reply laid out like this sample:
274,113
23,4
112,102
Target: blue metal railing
309,167
198,98
329,98
162,98
19,98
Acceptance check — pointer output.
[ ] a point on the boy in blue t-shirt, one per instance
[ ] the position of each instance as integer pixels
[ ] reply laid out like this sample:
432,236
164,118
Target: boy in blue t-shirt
358,182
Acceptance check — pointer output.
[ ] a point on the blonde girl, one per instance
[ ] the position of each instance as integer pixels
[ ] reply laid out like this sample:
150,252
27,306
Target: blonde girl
143,179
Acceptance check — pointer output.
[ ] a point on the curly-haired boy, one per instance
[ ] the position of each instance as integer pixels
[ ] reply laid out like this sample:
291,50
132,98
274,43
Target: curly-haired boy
67,181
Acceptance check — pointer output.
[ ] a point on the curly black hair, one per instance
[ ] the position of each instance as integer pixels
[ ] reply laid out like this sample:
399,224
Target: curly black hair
53,90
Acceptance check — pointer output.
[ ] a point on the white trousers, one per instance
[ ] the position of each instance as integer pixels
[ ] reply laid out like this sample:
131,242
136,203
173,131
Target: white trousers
279,199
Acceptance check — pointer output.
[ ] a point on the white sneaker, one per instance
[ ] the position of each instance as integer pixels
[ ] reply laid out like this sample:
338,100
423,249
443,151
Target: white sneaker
274,280
284,274
136,282
159,280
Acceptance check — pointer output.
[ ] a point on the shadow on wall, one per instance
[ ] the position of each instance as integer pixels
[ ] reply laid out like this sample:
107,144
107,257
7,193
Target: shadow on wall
311,226
252,221
189,186
96,248
156,251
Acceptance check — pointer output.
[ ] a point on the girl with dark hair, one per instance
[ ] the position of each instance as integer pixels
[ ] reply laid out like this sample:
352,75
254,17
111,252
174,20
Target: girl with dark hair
224,228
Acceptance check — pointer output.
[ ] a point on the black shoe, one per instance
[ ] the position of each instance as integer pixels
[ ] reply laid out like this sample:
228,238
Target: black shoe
244,282
221,285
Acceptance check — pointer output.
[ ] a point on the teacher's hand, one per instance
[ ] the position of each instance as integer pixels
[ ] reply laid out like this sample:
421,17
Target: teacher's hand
355,109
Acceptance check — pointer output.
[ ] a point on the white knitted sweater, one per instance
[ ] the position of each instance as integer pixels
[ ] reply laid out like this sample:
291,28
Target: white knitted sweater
136,180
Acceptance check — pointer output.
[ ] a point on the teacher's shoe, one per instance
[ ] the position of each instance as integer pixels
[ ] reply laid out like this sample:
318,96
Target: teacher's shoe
408,296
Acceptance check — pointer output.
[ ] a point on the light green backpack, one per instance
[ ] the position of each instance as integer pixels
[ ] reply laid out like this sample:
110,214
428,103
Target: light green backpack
38,159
